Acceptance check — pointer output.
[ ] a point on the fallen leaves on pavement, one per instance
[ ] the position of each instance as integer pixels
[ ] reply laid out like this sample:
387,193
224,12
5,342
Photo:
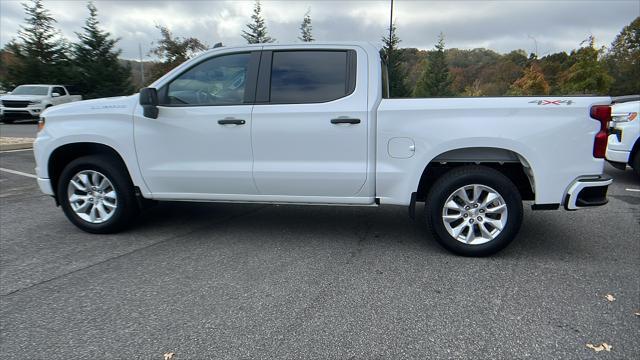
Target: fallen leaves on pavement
598,348
610,297
169,356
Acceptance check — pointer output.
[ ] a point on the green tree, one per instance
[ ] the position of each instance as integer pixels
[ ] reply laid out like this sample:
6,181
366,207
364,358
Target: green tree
588,74
395,65
257,33
173,51
553,66
531,83
624,60
40,53
435,79
305,28
99,71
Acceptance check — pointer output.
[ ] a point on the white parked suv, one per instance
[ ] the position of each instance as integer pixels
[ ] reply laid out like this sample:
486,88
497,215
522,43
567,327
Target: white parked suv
624,145
29,101
313,124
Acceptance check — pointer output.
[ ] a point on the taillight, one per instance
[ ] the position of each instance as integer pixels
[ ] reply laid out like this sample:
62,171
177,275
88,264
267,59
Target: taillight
601,113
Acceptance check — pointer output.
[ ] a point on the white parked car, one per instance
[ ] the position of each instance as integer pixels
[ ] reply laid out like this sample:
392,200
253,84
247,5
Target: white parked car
313,124
29,101
624,145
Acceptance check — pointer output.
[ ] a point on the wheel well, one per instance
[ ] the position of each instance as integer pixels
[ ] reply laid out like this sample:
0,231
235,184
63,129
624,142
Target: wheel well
65,154
634,151
507,162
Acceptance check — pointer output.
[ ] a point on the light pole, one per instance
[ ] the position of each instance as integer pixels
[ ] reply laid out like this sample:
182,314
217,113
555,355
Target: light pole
391,22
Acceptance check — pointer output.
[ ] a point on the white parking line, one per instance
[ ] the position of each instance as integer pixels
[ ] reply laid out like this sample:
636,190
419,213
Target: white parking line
634,190
10,151
18,173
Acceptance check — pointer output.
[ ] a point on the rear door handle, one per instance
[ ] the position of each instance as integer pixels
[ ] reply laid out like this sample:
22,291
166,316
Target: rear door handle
345,121
231,122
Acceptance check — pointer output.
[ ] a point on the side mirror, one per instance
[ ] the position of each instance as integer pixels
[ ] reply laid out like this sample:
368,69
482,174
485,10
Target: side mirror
55,94
149,102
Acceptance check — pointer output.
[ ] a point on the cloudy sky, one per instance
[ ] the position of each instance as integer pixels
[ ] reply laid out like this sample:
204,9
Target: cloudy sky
499,25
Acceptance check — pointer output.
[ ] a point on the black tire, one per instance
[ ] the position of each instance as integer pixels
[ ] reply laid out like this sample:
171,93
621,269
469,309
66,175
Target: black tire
635,163
127,206
457,178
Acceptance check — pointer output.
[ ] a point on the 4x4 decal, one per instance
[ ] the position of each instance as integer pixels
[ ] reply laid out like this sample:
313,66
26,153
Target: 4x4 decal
551,102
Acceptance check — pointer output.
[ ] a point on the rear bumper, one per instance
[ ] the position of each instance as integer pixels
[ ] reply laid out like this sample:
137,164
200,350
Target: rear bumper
587,192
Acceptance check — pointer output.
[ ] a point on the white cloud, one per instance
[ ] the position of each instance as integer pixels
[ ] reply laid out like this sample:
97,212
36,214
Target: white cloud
499,25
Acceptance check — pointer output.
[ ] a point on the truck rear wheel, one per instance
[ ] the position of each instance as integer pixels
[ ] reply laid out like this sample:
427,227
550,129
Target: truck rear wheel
96,194
474,211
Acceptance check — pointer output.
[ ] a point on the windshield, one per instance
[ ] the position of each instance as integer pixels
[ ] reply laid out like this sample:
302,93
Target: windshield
30,90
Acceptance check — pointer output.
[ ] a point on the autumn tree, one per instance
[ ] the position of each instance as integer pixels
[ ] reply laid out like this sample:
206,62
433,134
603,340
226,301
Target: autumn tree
531,83
257,33
588,74
97,68
305,28
41,54
173,50
623,60
435,79
395,65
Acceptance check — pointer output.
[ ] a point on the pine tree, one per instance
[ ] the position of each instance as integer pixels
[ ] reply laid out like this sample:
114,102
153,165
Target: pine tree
588,74
305,29
395,65
40,52
257,33
96,61
531,83
435,79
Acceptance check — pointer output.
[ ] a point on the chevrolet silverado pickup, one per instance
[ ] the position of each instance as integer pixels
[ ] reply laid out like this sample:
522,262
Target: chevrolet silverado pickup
623,147
29,101
313,124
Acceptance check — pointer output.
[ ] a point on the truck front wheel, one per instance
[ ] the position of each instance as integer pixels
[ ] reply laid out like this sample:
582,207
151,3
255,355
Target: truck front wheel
474,210
96,194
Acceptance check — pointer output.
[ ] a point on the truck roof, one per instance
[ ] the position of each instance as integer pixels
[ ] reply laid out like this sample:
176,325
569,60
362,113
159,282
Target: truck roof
364,44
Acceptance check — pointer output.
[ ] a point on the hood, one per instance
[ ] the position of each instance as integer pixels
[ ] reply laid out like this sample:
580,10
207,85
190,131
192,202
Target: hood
23,97
119,105
625,108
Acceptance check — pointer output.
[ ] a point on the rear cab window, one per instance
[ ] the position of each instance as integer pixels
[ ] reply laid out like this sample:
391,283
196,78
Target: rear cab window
307,76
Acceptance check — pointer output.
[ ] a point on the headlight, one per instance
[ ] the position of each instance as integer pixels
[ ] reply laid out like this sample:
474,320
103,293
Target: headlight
40,124
34,102
625,117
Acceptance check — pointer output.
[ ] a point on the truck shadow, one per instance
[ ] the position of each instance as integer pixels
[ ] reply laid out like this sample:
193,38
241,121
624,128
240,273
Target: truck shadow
542,234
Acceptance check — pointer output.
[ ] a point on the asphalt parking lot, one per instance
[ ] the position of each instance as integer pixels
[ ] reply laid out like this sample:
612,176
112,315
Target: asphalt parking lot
254,281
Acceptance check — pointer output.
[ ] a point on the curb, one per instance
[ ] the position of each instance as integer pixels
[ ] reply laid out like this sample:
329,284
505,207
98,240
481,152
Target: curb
18,146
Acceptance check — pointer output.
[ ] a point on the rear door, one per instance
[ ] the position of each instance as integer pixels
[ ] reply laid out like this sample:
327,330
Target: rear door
309,124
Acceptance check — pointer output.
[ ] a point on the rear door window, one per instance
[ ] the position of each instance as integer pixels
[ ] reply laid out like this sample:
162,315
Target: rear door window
311,76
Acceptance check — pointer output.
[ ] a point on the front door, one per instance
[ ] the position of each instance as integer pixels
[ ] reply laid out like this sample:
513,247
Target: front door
199,147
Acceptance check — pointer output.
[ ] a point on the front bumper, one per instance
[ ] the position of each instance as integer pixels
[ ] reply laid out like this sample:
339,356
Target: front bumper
618,156
587,192
45,186
28,112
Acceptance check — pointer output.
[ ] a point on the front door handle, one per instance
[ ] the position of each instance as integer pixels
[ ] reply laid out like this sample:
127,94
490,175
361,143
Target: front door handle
345,121
231,122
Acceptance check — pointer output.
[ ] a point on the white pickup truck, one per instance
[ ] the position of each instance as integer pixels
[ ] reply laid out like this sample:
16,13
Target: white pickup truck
29,101
313,124
623,147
